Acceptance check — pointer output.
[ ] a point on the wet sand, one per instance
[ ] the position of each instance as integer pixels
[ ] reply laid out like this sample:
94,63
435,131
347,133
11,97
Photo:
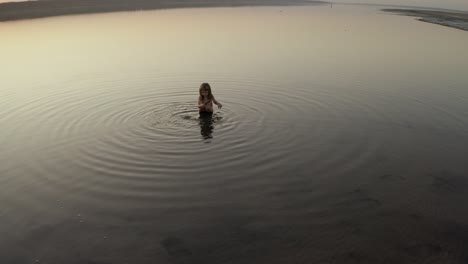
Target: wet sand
458,20
39,9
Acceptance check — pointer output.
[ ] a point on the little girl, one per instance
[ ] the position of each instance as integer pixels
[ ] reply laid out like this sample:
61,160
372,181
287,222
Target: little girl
206,99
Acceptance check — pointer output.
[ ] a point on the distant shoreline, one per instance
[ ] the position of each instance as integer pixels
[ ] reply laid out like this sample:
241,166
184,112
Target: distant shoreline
458,20
40,9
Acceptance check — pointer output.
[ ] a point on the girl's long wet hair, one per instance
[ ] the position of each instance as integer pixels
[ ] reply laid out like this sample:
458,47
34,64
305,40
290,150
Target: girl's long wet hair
205,86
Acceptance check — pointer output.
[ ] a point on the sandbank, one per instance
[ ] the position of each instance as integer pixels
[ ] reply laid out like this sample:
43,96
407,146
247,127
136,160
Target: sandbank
40,9
454,19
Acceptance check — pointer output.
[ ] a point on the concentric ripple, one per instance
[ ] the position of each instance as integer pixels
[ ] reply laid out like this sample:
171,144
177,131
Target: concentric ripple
141,136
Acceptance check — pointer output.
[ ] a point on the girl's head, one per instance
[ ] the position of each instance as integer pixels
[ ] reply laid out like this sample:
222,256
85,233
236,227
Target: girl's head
205,90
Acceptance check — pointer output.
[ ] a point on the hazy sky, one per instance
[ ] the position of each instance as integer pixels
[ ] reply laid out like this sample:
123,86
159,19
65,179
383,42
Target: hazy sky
449,4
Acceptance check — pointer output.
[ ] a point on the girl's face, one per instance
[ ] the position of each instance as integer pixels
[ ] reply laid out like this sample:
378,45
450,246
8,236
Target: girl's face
204,92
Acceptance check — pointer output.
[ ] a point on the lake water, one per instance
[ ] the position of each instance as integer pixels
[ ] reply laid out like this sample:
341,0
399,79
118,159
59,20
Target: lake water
342,138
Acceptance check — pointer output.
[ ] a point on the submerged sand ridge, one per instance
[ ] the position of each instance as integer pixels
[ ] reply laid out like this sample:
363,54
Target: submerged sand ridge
38,9
457,20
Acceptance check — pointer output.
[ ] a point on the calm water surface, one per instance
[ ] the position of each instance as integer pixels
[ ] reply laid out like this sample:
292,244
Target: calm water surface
343,138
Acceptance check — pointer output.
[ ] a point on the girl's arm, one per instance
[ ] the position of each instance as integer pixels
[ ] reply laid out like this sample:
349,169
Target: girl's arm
201,105
217,103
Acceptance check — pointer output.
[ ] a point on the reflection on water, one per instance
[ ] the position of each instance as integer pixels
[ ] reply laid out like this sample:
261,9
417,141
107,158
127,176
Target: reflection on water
344,140
206,125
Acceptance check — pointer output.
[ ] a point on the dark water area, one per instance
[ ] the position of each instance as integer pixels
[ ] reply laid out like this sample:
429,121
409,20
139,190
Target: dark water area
342,138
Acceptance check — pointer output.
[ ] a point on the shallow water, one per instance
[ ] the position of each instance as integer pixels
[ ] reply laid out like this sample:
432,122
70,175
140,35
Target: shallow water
342,138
